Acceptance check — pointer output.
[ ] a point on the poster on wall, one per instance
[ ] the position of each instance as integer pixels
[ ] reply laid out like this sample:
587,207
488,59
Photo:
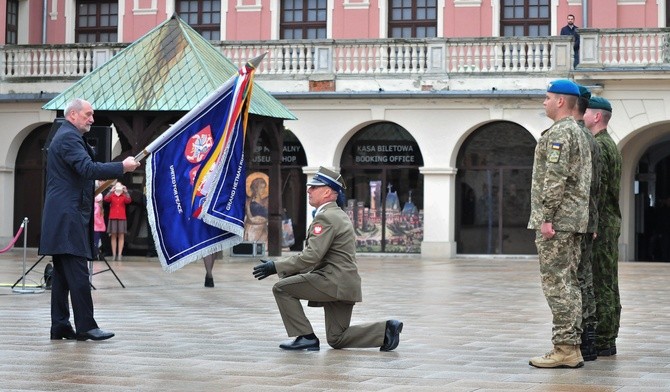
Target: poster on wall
394,226
256,208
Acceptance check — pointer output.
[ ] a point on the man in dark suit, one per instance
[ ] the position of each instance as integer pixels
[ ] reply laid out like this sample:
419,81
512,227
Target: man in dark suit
325,273
67,221
571,29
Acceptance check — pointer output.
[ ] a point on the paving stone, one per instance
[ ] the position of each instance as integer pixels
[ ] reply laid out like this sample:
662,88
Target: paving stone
471,324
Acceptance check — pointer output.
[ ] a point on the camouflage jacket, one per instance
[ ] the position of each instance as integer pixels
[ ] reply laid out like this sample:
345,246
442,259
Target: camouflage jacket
592,227
560,185
610,181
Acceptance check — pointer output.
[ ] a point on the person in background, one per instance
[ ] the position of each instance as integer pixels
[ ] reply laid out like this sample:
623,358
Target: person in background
209,264
325,274
99,225
117,198
67,221
585,270
571,29
559,215
605,257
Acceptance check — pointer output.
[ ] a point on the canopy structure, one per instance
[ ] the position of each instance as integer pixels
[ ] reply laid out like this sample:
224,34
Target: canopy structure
171,68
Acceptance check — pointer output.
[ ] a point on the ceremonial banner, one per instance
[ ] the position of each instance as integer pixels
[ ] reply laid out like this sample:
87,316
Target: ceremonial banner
196,176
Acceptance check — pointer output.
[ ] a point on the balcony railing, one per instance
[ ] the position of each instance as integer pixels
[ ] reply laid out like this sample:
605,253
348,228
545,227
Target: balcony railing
403,57
624,48
54,61
453,57
338,57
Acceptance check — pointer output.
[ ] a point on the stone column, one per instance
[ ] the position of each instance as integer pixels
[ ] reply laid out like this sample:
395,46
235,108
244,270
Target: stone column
438,208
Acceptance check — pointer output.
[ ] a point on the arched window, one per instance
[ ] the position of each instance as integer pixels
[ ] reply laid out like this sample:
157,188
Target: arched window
495,165
380,166
652,204
293,182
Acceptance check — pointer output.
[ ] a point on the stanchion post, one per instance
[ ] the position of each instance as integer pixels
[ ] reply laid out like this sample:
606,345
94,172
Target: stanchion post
23,289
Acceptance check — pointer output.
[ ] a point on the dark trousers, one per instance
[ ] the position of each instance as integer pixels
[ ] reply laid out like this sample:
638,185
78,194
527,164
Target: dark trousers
70,276
339,333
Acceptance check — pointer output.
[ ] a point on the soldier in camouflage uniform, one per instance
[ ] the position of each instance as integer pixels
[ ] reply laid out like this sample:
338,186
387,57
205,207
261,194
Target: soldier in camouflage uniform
605,247
559,212
585,271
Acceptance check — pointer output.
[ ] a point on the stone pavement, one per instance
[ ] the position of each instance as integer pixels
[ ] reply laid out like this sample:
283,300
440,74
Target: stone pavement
470,325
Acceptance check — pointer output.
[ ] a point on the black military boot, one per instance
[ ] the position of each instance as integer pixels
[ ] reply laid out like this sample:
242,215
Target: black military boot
588,346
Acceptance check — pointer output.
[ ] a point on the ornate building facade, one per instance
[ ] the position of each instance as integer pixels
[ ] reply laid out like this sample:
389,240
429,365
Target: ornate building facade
430,108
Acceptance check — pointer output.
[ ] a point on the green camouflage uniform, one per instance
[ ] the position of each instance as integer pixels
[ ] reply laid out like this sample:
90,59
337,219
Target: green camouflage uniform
585,271
560,194
605,247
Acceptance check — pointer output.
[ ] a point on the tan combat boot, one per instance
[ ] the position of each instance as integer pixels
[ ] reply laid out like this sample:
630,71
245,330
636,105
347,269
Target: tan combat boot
562,356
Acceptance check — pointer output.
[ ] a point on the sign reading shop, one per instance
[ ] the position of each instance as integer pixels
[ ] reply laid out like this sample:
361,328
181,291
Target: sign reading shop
292,154
386,153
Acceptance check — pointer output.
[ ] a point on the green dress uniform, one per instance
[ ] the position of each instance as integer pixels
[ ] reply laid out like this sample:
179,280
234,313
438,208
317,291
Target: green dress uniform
325,273
605,247
585,270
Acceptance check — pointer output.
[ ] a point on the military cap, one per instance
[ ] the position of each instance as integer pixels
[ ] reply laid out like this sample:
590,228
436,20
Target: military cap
600,103
563,86
584,92
329,178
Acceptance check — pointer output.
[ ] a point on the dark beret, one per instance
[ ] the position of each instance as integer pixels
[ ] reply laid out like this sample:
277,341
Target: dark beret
600,103
584,92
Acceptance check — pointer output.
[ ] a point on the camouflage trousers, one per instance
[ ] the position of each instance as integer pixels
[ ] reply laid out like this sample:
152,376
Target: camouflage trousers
585,276
559,258
606,286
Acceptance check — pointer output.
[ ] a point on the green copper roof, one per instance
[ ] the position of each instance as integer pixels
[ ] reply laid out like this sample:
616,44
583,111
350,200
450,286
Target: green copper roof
171,68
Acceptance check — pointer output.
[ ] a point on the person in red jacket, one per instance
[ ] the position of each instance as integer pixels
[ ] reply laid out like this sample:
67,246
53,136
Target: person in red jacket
117,198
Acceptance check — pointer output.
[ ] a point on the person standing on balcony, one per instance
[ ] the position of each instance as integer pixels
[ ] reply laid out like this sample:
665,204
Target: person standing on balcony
559,213
67,221
605,247
325,274
571,29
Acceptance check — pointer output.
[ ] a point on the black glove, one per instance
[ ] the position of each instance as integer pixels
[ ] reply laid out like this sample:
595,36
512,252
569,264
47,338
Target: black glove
264,269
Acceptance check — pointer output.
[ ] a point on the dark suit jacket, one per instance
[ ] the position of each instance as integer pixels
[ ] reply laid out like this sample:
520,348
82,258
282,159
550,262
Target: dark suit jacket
67,219
574,31
329,256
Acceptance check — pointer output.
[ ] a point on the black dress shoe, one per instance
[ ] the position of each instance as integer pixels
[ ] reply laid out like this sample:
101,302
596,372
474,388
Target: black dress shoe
209,282
63,333
392,335
95,334
301,343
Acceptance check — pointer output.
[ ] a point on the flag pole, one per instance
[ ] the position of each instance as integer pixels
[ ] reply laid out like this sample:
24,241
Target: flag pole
162,138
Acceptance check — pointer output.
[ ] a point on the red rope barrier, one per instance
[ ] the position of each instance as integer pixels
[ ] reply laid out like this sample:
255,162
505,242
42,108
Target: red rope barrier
16,237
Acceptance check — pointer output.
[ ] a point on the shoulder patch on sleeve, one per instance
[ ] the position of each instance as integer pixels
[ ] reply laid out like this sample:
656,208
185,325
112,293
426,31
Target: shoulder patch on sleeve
317,229
554,155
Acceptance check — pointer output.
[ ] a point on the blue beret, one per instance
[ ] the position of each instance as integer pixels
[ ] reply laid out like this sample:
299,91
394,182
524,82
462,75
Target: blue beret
600,103
563,86
584,92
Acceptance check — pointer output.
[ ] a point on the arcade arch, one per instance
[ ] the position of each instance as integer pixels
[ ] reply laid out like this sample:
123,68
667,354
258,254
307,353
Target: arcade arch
645,194
380,165
495,165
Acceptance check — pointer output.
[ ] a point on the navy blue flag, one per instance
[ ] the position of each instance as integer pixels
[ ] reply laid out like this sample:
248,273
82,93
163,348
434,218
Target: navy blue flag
196,175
